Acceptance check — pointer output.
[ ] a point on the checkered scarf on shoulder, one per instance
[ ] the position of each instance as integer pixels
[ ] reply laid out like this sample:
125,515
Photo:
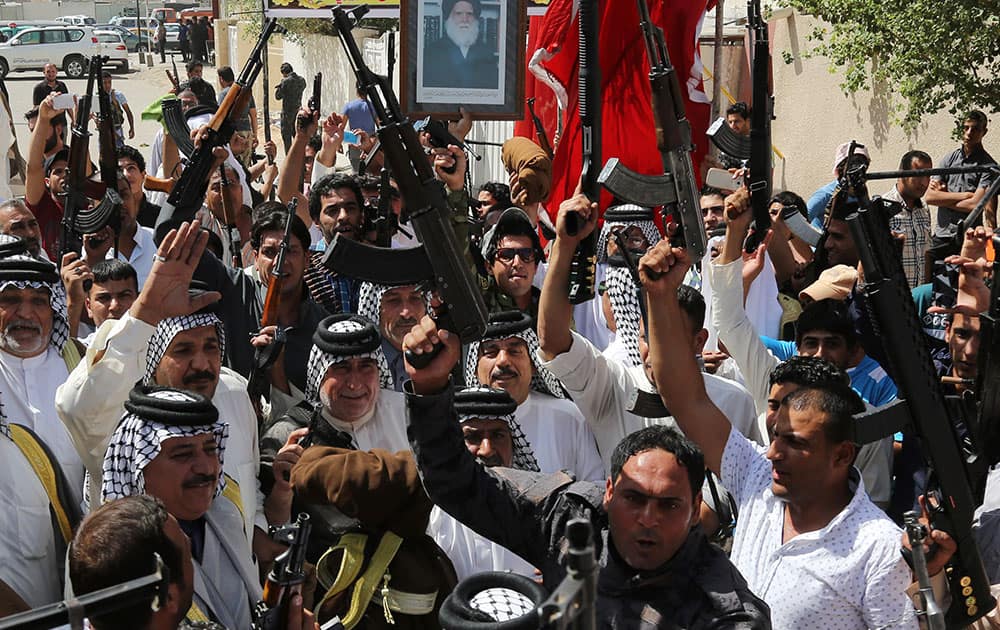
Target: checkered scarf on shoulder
486,403
167,329
625,307
152,416
505,325
338,339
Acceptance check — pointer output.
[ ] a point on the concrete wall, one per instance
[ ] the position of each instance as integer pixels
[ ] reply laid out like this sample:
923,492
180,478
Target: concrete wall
813,115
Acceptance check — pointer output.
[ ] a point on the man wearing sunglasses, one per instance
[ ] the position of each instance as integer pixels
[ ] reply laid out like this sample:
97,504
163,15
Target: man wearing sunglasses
512,252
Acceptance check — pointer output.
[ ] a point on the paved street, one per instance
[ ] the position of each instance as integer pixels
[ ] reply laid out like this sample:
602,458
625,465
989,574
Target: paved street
141,85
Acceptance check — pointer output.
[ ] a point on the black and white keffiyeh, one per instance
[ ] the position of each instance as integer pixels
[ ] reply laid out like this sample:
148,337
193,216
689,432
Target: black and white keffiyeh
339,338
504,325
625,307
486,403
167,329
370,300
623,216
21,271
154,415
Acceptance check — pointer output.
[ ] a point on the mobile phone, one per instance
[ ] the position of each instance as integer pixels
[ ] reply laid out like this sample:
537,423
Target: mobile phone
64,101
351,138
722,179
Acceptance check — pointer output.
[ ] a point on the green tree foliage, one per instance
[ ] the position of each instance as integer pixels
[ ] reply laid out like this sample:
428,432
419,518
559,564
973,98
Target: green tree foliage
249,10
927,55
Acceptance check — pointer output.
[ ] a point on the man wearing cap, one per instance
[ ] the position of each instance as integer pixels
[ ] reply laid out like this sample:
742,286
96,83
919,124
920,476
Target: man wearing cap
397,310
171,445
818,203
45,177
165,338
957,195
506,359
460,59
512,251
289,91
824,329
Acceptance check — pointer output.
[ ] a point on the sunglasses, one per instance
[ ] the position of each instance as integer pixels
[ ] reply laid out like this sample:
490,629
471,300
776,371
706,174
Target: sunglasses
506,254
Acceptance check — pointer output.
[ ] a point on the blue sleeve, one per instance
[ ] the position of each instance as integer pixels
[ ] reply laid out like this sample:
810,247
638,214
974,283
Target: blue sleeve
782,350
817,204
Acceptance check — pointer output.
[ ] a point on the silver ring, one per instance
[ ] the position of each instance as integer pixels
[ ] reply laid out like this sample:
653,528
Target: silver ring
162,259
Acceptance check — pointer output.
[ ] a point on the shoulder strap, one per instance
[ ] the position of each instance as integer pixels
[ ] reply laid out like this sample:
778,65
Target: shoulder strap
196,615
352,560
377,571
72,353
48,473
231,492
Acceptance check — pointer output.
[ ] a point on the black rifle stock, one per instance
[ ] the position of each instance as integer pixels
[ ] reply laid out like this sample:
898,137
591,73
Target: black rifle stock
189,190
956,471
439,257
582,268
758,178
987,429
573,604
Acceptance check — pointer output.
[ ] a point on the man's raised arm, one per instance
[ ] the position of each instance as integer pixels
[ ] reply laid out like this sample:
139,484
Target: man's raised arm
675,370
554,309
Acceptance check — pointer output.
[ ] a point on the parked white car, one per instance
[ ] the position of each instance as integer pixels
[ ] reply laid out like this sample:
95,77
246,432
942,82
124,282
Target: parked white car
148,24
68,47
113,46
77,20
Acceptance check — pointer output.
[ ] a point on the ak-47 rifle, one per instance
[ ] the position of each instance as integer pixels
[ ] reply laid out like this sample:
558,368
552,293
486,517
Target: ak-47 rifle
543,138
258,385
758,178
675,190
956,464
582,268
386,222
108,162
229,218
78,218
189,190
286,578
438,259
316,99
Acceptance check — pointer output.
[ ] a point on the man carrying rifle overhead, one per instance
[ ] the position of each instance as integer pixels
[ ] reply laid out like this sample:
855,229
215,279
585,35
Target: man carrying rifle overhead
45,179
809,541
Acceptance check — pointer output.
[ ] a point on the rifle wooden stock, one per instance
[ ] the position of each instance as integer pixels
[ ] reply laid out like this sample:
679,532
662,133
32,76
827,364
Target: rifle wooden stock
189,191
159,184
173,81
956,470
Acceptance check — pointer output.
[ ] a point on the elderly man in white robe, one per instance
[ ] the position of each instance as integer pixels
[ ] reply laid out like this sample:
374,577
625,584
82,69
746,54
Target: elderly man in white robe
36,353
554,427
171,445
165,339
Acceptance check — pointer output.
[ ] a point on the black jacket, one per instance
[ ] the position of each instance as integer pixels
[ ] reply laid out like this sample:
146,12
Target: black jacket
527,513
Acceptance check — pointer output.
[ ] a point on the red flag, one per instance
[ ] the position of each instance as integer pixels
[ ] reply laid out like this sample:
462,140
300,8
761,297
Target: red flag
627,130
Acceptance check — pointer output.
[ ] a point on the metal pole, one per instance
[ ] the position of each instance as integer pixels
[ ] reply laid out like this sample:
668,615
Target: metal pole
138,34
149,49
717,59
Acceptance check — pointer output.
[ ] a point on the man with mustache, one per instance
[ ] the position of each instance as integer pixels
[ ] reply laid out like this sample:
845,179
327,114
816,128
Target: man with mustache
512,251
166,338
170,445
555,429
656,568
397,310
37,354
459,59
17,220
349,404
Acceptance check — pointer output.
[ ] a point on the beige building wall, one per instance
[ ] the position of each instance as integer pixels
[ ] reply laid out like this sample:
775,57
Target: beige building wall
813,115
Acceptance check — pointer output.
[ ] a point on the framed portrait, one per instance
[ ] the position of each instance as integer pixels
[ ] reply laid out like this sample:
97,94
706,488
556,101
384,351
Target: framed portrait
463,53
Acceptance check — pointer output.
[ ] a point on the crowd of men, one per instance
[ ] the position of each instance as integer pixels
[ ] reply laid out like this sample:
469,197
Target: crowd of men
155,402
